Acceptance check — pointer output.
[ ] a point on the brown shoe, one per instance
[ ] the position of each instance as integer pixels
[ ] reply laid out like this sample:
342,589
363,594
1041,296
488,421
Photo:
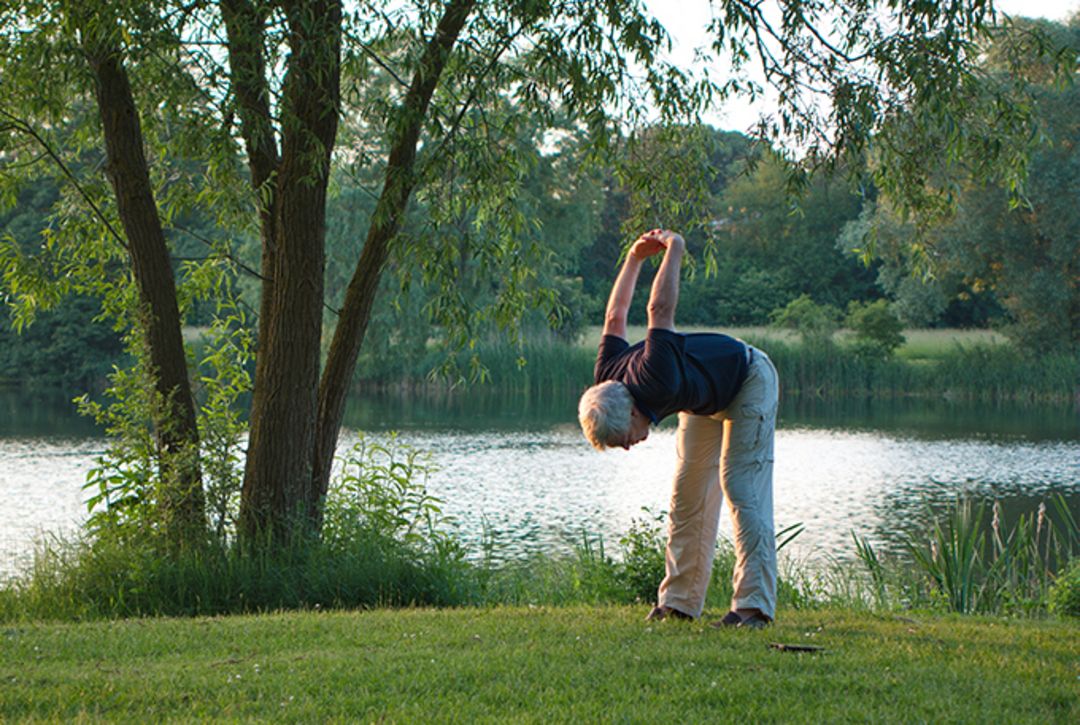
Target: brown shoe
660,612
734,619
755,621
731,619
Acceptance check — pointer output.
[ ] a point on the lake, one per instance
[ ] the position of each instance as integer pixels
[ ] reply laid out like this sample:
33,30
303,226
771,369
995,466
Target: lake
518,468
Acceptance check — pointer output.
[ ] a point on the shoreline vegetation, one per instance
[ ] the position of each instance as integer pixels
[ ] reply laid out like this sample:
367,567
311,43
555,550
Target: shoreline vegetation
386,543
977,365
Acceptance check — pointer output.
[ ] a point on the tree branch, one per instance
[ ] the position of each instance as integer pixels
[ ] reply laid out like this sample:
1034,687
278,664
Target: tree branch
474,91
244,26
240,265
381,63
23,127
386,221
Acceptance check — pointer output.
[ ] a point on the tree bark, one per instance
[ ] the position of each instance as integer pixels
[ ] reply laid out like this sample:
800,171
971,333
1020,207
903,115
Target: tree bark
386,221
181,498
245,25
274,501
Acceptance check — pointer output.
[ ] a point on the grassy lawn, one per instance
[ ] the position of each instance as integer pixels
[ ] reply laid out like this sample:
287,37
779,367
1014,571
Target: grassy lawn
541,665
928,344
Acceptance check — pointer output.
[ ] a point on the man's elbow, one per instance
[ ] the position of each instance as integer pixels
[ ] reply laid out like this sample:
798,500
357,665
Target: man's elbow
615,318
661,311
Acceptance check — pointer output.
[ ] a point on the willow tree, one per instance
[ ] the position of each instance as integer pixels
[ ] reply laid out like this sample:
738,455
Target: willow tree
164,97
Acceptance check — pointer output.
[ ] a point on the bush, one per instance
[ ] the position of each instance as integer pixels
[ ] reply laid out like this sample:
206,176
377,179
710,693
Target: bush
385,542
1064,596
878,331
642,566
815,323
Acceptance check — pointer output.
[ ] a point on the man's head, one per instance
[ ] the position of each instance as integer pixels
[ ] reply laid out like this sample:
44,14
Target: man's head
609,418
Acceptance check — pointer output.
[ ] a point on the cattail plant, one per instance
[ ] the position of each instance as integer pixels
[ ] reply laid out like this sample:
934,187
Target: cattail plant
1011,570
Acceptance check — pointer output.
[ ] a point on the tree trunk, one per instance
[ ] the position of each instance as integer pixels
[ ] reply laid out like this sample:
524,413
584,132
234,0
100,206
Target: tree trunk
389,212
274,501
245,25
181,499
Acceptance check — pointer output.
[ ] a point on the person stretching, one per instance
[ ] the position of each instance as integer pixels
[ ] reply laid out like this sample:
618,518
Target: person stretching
726,394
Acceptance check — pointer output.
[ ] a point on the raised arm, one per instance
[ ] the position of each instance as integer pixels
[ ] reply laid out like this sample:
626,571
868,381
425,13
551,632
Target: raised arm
618,306
664,297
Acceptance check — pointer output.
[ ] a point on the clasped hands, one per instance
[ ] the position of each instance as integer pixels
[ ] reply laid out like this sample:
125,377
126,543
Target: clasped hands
656,241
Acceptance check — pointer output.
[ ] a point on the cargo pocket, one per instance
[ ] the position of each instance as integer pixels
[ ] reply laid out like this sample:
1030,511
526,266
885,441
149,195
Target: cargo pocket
748,429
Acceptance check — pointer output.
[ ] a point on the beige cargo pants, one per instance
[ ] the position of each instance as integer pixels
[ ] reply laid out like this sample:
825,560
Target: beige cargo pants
729,454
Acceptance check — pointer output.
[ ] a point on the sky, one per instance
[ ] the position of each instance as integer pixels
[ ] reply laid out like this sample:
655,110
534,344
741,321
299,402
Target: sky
686,22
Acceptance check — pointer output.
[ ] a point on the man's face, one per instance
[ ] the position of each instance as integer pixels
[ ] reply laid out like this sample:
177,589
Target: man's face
639,429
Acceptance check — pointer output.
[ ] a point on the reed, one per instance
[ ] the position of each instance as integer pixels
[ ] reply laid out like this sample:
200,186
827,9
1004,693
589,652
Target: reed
969,564
534,365
980,371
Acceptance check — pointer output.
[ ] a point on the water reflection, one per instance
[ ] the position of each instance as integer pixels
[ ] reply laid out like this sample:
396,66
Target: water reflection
939,418
47,415
518,468
23,415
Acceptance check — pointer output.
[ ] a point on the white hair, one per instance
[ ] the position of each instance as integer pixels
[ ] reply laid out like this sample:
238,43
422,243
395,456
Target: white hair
604,413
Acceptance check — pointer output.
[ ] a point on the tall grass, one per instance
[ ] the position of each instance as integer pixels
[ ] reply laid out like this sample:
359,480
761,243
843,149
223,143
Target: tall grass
75,580
358,569
960,565
967,564
535,365
982,371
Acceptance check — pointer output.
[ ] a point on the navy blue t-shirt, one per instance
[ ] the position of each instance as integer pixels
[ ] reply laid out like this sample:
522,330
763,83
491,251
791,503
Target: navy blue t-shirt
668,371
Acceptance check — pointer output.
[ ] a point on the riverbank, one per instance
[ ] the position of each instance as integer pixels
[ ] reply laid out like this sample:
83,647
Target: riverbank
584,664
975,365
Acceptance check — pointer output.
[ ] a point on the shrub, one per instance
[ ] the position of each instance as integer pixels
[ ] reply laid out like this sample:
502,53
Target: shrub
878,331
642,567
1064,598
815,323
